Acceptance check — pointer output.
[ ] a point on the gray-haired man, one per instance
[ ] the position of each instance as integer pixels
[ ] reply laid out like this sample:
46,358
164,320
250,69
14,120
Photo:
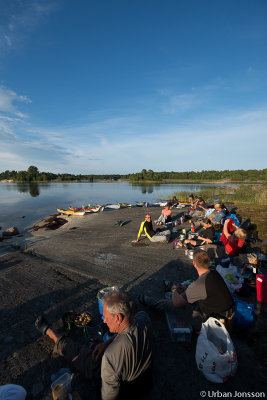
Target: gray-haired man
126,358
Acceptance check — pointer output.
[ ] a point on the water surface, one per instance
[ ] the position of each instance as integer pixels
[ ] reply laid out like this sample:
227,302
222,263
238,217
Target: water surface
37,200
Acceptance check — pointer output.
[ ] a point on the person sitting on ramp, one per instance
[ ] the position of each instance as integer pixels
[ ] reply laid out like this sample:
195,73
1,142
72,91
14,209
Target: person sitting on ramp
165,216
147,227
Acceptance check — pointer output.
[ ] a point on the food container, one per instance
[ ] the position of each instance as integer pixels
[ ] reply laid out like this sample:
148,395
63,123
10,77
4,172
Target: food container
184,231
177,245
72,319
191,254
186,252
83,319
100,296
180,331
182,237
61,387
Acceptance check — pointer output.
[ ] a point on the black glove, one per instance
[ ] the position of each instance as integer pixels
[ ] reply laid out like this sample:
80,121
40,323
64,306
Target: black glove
41,324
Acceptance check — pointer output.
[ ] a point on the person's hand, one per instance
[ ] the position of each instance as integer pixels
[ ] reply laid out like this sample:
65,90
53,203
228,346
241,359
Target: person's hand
174,288
180,288
177,288
99,351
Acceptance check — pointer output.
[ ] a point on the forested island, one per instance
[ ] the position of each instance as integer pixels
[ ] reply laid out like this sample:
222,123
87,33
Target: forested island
32,174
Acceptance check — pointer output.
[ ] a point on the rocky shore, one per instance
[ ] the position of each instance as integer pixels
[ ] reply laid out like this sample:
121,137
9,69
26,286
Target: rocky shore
63,269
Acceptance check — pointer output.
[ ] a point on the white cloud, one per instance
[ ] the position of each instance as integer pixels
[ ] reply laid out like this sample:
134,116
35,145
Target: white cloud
21,18
45,133
124,144
8,100
182,102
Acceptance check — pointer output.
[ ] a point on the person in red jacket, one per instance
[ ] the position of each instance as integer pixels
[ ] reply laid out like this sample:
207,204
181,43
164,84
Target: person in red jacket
232,237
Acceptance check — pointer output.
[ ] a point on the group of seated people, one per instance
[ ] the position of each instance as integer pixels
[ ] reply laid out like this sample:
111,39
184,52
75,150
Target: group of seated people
121,367
217,219
211,220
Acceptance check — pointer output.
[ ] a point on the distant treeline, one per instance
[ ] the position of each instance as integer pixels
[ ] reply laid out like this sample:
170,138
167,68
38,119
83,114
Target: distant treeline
34,175
235,175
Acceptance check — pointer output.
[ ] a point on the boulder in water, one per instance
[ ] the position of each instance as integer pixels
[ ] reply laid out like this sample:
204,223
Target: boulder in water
11,231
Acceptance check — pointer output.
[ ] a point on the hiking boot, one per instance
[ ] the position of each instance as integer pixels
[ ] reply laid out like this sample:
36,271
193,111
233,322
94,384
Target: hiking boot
41,324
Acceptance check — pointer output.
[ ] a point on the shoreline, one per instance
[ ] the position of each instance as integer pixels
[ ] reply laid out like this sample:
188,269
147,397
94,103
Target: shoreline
163,182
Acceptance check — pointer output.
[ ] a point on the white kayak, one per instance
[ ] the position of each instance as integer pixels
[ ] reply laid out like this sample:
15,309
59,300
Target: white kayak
113,206
160,204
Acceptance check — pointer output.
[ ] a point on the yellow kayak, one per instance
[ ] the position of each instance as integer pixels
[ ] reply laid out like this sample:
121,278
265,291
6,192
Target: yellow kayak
70,212
125,205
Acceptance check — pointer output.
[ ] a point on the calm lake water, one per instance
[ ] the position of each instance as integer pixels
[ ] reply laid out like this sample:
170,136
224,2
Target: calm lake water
37,200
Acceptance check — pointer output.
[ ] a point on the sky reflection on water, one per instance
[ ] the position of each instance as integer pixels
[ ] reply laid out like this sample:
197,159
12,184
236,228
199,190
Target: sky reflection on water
37,200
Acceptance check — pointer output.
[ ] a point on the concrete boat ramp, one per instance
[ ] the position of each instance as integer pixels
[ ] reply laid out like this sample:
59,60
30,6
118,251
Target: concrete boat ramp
63,270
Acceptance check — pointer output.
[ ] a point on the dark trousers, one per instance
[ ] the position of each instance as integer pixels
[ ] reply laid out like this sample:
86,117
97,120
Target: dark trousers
80,356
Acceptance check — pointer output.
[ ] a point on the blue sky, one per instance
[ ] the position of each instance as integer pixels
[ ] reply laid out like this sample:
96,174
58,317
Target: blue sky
115,86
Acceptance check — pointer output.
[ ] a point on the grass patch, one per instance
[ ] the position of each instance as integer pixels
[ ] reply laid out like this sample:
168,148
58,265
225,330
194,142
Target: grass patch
244,194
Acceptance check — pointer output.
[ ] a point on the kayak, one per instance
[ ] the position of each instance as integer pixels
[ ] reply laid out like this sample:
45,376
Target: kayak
94,209
113,206
87,209
125,205
70,212
160,204
140,204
